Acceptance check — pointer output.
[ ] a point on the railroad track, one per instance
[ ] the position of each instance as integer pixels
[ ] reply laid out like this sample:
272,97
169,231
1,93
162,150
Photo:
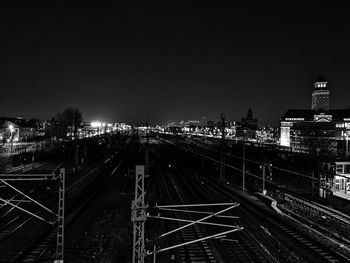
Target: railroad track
26,167
304,246
196,252
322,210
244,247
13,220
335,223
42,250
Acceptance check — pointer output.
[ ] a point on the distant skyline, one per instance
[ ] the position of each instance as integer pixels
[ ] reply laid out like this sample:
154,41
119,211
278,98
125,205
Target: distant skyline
169,61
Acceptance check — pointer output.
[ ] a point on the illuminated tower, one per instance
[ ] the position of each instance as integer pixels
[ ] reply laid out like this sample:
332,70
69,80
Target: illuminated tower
320,96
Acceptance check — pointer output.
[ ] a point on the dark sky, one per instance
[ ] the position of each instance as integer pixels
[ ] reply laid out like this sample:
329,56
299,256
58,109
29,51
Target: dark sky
169,62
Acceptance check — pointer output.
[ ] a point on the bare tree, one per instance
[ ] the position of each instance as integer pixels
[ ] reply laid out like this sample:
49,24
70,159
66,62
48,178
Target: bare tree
70,117
316,145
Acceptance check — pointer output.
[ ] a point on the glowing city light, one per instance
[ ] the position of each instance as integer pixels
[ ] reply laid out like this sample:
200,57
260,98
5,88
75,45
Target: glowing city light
96,124
11,128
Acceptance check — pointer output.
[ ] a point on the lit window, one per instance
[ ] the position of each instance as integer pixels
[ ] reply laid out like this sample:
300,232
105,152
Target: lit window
339,168
347,169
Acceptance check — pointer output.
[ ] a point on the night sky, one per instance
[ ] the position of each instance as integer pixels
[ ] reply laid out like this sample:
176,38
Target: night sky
162,62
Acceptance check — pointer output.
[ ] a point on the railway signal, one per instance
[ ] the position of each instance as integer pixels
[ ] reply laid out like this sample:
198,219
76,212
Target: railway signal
264,177
270,171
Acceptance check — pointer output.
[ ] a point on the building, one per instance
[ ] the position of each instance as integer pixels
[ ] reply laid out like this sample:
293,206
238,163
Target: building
248,126
267,135
17,129
334,179
319,128
341,186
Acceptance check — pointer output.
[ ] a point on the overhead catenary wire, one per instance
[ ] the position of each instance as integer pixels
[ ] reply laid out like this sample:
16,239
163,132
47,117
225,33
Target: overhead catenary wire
305,175
240,170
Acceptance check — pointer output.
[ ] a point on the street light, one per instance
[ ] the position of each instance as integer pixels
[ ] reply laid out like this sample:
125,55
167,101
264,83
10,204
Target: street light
12,129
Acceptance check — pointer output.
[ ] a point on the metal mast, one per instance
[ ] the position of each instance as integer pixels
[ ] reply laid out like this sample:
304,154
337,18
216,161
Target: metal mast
138,216
243,166
223,142
147,156
5,178
60,219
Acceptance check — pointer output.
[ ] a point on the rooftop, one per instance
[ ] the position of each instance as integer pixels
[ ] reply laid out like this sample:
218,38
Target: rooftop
308,115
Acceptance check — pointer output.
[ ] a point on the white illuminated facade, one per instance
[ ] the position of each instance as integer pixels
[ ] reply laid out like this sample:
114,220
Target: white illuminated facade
285,133
16,130
303,130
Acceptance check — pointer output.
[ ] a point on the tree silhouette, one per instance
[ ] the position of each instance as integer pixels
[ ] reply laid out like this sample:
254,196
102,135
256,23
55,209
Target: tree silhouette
70,117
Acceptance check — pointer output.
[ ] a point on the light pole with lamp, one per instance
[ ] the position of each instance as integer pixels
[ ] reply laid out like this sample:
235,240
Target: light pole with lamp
318,150
12,129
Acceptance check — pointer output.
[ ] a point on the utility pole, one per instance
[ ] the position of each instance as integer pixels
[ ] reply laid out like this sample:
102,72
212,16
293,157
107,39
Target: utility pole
263,176
223,144
243,166
318,174
147,156
313,184
106,143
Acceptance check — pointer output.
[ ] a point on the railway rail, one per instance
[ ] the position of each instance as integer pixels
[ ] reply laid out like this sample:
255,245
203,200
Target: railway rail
80,195
196,252
38,247
307,248
329,220
243,246
13,220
